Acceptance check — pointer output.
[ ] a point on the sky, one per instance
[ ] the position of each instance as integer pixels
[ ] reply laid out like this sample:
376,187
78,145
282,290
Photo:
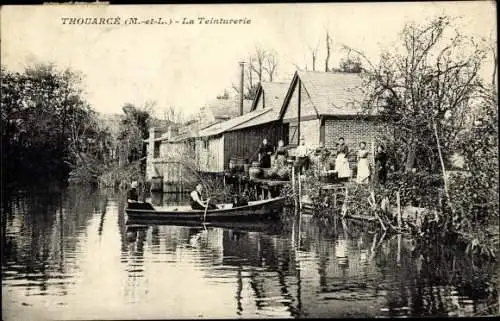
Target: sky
184,66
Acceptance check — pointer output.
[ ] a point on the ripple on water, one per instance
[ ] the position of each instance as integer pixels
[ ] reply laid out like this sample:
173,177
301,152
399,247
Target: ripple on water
253,275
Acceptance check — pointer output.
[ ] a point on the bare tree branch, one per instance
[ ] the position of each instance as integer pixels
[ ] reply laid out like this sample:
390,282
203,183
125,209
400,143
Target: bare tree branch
314,54
271,64
235,88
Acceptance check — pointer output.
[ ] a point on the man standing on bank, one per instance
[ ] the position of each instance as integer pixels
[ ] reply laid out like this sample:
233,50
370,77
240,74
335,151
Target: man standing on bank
265,152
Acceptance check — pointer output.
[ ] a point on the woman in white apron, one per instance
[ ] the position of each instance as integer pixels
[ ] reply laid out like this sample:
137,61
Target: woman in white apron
363,176
341,162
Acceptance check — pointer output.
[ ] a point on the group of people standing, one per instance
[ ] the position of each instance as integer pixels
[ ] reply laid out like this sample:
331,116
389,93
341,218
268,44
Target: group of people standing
364,173
267,152
364,170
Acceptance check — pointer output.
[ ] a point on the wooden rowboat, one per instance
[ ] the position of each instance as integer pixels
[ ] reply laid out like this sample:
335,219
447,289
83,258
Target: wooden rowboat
256,210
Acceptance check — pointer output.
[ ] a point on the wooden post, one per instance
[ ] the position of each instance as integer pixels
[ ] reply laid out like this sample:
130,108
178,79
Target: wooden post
398,258
293,185
344,204
373,161
242,81
300,223
299,98
398,200
445,178
300,192
180,178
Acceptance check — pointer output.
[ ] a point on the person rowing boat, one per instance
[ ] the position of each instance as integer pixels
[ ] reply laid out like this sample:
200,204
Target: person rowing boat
197,203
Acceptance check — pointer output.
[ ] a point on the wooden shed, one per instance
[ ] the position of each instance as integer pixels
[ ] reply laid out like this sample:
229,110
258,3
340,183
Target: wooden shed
244,140
214,148
241,136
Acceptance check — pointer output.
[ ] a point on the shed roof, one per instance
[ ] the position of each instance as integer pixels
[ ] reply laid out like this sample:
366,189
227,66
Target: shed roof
224,126
183,137
264,118
228,108
274,93
331,93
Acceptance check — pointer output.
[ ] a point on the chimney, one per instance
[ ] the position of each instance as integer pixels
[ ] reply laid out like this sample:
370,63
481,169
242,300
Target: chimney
242,64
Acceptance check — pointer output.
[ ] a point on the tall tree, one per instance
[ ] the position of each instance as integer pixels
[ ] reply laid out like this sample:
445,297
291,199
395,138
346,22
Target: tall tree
271,65
328,42
257,62
427,88
41,109
174,115
428,92
134,128
262,65
314,54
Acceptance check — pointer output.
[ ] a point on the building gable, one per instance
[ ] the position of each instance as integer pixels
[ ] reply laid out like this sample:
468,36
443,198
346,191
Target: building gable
290,107
270,95
324,93
259,101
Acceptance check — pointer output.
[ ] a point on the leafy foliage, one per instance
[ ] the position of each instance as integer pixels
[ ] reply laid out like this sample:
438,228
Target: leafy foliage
134,128
431,83
418,189
47,127
121,176
429,93
350,65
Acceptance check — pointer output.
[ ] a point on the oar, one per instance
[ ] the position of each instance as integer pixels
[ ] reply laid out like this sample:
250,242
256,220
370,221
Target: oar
206,208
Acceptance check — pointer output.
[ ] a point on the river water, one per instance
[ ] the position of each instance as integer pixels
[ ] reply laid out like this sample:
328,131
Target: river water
72,256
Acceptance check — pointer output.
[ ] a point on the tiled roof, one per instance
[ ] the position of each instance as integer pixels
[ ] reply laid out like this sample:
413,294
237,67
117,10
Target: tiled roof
333,93
224,126
183,136
228,108
274,94
269,116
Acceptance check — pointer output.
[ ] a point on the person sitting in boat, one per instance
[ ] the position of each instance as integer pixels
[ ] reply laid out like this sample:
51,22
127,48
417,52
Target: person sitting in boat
241,200
132,195
197,203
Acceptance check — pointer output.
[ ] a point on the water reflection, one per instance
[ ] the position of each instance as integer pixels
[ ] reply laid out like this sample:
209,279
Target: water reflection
65,250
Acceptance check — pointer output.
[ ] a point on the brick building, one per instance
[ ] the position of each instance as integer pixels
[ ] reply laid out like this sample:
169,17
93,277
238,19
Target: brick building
323,106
